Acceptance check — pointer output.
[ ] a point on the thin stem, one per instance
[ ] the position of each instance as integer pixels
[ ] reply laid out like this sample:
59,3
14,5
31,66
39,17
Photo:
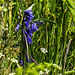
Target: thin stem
67,51
27,50
33,60
26,45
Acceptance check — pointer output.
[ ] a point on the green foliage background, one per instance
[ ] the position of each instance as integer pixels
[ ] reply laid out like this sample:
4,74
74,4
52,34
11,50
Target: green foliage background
57,32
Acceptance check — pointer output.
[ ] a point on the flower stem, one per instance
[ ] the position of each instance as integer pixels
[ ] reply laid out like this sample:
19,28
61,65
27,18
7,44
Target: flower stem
26,46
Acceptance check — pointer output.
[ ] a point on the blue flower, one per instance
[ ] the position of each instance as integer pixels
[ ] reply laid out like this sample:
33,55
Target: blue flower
17,28
24,19
30,28
29,31
29,40
28,14
21,63
27,24
34,27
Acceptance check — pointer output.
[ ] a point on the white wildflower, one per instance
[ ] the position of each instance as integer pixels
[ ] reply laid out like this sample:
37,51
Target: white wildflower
8,58
54,64
14,60
11,73
1,55
41,72
43,50
47,71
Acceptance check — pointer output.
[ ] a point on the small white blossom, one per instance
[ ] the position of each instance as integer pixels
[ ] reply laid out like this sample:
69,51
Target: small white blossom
14,60
41,73
43,50
11,73
8,58
54,64
1,55
47,71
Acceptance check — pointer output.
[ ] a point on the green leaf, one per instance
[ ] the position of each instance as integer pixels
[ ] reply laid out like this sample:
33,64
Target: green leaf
45,20
2,1
69,72
70,4
19,71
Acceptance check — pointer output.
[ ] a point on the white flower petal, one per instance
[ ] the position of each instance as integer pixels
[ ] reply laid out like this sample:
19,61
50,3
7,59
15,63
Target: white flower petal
1,55
14,60
47,71
43,50
41,72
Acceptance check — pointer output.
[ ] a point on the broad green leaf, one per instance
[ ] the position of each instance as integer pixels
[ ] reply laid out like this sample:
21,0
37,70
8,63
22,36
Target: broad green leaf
19,71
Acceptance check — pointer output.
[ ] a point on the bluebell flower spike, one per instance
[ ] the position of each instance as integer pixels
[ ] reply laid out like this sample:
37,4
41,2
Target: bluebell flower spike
29,40
28,13
34,27
28,37
30,32
27,24
29,28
